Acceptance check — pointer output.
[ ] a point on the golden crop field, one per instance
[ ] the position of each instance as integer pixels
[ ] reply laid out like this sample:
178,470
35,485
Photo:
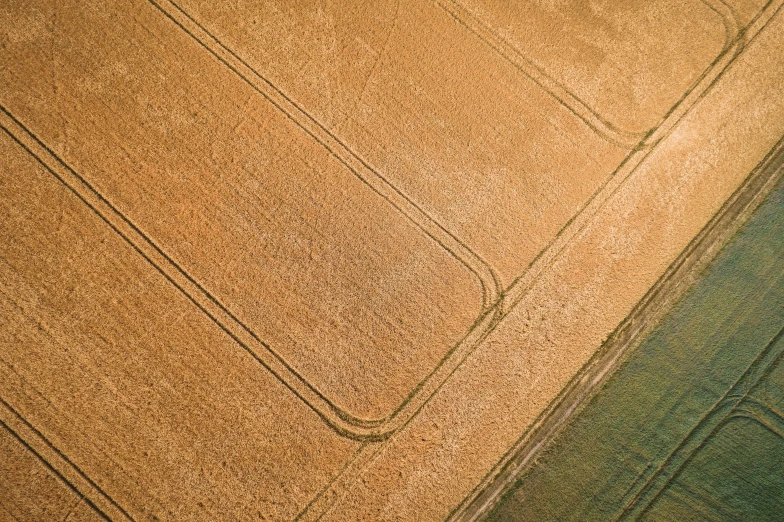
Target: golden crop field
343,260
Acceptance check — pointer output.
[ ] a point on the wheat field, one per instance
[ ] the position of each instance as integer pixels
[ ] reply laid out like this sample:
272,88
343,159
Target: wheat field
340,260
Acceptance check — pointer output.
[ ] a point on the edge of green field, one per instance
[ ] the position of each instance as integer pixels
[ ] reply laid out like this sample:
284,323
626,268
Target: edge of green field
655,443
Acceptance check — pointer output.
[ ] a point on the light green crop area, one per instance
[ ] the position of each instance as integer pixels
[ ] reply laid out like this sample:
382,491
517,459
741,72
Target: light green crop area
690,427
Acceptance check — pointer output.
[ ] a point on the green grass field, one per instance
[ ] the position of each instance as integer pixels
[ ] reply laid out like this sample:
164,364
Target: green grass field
690,427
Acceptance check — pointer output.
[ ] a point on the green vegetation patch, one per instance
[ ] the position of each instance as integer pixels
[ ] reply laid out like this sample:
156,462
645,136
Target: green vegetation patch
690,427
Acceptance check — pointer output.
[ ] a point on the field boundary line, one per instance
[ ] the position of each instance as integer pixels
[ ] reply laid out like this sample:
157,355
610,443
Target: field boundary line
672,285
